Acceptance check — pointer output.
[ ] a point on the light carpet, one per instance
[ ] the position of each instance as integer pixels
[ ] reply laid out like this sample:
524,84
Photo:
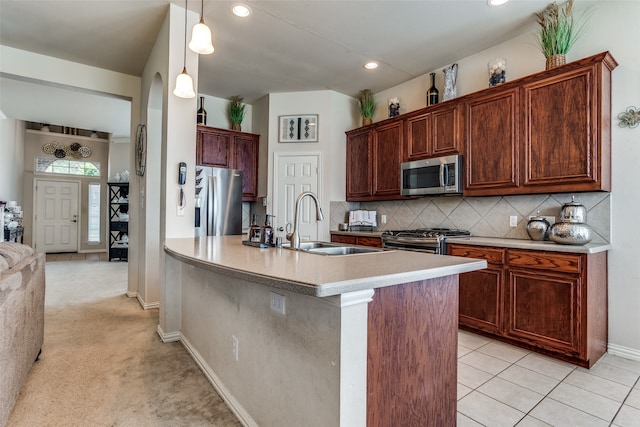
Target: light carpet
103,364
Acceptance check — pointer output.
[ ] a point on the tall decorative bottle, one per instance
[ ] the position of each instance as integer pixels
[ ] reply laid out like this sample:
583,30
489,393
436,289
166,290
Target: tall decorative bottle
201,117
432,93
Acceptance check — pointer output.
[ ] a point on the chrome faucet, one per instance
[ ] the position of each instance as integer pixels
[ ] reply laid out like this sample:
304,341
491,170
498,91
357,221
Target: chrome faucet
294,236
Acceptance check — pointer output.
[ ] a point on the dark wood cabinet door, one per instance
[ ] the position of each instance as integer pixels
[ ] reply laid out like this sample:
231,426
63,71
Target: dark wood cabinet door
436,132
481,294
245,158
491,143
545,310
481,298
447,123
213,148
561,133
387,158
359,172
419,137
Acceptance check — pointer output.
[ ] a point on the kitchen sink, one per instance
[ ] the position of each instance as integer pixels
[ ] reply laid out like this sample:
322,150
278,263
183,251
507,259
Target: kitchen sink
328,248
342,250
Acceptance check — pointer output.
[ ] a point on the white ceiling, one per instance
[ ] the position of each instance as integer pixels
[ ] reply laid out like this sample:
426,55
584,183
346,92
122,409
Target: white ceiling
282,46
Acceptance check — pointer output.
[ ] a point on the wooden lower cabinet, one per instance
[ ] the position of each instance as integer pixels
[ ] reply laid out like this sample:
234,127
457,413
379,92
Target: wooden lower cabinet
375,242
544,310
554,303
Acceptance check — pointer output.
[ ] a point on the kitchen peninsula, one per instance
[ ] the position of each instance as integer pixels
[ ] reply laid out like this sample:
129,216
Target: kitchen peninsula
294,338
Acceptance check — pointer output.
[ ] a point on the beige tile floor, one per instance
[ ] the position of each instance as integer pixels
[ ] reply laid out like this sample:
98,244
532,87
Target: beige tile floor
501,385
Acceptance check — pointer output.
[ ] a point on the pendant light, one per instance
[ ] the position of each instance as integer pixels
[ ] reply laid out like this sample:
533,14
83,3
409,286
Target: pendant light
201,35
184,82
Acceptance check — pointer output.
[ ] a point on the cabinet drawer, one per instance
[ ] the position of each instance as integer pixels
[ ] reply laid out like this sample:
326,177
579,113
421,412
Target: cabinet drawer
375,242
493,256
339,238
554,261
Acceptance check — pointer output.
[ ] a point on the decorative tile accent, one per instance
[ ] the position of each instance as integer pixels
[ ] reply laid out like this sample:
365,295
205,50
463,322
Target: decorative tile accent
485,216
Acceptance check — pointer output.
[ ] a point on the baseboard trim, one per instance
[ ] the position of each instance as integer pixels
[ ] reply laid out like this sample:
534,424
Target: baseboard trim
132,294
168,337
147,305
627,353
233,404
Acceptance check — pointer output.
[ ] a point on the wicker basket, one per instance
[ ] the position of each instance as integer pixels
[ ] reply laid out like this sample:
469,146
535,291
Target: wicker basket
557,60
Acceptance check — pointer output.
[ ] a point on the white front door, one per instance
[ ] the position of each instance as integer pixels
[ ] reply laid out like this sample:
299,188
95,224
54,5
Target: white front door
295,174
56,222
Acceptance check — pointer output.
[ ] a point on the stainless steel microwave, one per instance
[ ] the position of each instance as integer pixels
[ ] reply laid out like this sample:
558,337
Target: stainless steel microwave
439,175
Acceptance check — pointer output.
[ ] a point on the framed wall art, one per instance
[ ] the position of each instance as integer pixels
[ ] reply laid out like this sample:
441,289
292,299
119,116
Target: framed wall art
299,128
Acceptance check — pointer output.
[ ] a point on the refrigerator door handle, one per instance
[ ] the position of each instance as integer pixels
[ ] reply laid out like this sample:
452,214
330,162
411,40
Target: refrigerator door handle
210,207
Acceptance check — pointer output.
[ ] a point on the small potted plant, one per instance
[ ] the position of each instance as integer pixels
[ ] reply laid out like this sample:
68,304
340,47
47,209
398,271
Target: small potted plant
366,105
557,33
236,112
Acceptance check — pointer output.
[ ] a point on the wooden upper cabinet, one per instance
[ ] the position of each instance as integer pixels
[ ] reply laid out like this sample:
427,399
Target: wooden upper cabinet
387,157
418,136
225,148
359,157
566,130
545,133
245,158
433,132
549,132
213,147
374,155
491,143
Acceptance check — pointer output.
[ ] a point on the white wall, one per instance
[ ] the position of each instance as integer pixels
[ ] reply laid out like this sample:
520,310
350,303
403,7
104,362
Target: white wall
217,116
119,159
334,118
607,29
12,133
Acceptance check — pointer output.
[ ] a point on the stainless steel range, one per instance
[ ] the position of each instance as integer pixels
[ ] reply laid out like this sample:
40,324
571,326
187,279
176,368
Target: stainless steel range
431,240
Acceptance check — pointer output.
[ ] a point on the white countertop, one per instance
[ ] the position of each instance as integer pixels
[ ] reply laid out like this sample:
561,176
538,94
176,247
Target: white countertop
312,274
589,248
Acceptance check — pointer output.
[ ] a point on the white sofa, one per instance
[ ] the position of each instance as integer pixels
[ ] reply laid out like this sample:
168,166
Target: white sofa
22,286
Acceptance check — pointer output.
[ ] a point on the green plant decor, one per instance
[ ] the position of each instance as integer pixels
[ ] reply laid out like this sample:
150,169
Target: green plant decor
558,31
366,103
236,110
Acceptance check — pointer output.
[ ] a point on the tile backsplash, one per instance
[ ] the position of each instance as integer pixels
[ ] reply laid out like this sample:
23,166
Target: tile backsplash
482,216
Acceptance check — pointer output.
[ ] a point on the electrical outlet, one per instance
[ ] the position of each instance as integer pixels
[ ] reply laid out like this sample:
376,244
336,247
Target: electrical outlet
235,347
264,202
513,221
179,210
383,219
278,303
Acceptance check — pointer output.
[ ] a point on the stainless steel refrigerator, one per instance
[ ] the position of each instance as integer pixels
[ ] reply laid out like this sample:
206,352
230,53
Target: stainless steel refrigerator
218,201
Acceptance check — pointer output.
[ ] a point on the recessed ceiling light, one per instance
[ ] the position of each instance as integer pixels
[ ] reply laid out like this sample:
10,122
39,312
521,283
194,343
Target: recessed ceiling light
371,65
241,10
496,2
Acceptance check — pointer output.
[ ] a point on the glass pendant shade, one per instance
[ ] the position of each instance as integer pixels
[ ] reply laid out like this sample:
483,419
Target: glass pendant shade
184,85
201,39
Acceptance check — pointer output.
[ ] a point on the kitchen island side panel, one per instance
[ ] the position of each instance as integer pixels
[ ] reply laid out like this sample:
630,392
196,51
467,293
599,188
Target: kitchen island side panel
289,369
412,354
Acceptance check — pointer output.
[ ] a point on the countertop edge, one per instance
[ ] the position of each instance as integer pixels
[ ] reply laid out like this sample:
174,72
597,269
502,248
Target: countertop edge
335,287
589,248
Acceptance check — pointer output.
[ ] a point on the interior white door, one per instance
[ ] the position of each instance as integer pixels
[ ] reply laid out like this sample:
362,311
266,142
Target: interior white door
295,174
56,219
